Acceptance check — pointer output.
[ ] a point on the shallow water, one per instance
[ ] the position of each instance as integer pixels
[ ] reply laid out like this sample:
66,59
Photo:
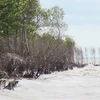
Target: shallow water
77,84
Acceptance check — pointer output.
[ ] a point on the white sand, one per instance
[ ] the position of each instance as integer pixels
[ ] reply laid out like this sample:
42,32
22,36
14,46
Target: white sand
77,84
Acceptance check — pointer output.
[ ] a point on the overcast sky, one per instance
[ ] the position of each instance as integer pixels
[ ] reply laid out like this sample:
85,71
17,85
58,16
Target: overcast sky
83,19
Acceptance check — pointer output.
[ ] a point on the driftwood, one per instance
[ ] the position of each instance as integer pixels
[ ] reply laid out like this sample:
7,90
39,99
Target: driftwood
2,83
11,85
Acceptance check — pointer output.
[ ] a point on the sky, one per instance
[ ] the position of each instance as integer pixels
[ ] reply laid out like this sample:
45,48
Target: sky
83,19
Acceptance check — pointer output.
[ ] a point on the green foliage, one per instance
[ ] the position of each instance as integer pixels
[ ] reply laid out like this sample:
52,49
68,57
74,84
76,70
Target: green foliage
69,41
17,14
56,20
48,36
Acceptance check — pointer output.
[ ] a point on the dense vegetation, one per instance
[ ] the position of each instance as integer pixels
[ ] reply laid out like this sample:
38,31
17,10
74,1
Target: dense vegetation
32,38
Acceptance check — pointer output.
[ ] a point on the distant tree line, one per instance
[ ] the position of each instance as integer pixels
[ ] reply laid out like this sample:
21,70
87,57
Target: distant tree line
92,55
